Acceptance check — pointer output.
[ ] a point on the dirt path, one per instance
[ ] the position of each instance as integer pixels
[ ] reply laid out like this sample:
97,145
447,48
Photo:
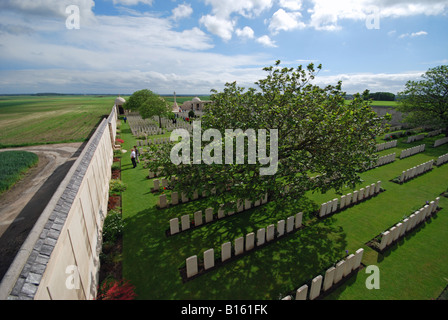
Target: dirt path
22,205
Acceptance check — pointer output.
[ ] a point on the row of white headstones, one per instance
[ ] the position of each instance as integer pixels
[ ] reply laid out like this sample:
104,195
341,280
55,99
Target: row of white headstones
400,229
416,171
209,216
332,206
245,244
411,151
442,159
333,275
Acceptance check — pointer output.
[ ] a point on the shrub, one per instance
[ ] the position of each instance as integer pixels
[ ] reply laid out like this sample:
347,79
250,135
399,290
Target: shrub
116,290
113,227
116,186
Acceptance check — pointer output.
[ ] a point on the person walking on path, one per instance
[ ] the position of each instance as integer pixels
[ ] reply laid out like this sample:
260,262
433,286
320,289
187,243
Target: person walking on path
133,156
137,154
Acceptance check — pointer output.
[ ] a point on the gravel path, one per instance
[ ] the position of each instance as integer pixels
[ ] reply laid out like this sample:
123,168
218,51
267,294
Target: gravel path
22,205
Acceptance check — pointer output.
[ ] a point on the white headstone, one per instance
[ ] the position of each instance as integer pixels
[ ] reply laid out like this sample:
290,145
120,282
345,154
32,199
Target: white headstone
226,251
174,198
239,245
281,228
290,224
302,292
208,215
270,232
198,218
162,203
209,259
329,278
316,284
192,266
298,222
156,184
250,240
340,266
174,226
261,236
185,222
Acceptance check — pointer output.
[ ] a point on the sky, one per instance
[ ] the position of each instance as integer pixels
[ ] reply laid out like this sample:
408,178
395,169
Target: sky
191,47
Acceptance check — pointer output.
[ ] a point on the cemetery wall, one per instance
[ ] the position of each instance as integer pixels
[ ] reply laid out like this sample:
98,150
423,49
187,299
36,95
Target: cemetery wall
60,258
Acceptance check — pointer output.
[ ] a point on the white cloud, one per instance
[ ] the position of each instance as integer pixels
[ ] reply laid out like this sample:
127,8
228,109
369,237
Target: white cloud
246,8
375,82
266,41
285,21
182,11
413,34
132,2
246,32
325,14
293,5
223,28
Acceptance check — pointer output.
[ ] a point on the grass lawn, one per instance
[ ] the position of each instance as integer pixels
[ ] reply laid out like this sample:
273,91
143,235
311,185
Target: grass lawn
30,120
13,164
416,268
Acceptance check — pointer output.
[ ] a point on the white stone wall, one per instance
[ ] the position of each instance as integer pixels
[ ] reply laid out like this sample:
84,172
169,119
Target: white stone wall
63,263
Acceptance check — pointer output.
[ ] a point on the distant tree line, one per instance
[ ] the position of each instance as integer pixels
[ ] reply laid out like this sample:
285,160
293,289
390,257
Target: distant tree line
382,96
377,96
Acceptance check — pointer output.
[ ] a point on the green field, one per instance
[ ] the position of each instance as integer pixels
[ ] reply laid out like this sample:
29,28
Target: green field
13,164
32,120
414,268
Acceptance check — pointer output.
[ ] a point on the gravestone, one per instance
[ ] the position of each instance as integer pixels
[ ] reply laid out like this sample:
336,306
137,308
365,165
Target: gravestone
209,259
329,278
198,218
392,235
358,258
162,202
240,205
342,205
355,197
299,218
184,197
348,199
156,185
378,187
334,205
226,251
261,236
349,264
339,272
239,245
174,198
250,240
302,292
174,226
208,215
151,174
164,183
247,204
384,240
192,266
361,194
323,210
270,232
281,228
221,212
316,284
290,224
185,222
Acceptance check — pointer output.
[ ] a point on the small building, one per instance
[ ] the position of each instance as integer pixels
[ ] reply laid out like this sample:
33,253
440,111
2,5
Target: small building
119,102
196,104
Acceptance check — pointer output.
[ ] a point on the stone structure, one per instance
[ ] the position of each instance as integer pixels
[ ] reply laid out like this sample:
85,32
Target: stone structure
60,258
195,104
